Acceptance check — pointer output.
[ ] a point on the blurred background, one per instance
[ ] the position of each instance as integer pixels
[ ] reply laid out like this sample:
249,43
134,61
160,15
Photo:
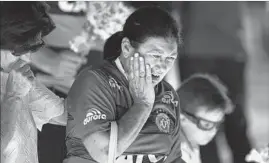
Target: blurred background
228,39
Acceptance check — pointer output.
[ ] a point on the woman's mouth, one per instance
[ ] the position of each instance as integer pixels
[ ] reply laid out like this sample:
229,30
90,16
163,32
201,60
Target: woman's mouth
155,76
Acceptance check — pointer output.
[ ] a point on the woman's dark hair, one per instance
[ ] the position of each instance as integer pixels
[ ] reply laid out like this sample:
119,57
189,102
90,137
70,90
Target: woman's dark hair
141,24
23,24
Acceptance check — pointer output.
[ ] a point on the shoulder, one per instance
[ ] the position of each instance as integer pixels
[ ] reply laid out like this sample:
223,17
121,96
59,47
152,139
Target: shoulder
92,82
97,77
167,85
170,97
169,90
86,84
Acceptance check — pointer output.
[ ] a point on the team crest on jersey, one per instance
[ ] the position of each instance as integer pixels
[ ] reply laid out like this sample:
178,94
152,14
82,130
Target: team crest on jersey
163,122
168,98
93,114
113,83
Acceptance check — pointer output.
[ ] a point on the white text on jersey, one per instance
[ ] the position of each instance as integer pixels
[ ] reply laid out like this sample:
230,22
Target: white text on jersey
93,114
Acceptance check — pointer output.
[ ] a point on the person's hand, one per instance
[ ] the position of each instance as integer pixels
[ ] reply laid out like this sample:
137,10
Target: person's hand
140,81
20,79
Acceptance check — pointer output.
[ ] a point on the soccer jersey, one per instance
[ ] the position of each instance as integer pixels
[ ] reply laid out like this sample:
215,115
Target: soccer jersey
101,95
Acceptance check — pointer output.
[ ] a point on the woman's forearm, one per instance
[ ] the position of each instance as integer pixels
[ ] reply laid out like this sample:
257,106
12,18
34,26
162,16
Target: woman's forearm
131,124
129,127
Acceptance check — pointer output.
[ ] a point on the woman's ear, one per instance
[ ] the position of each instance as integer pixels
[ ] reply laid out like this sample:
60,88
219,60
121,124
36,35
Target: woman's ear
126,48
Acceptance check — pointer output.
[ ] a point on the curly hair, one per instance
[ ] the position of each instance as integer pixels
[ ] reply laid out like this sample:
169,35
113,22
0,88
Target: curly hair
23,25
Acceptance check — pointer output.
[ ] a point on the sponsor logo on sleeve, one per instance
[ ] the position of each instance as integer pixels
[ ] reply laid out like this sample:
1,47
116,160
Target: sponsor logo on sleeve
113,83
93,114
168,98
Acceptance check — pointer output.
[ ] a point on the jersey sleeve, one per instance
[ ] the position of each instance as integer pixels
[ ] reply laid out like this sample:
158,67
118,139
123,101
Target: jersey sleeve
90,105
175,155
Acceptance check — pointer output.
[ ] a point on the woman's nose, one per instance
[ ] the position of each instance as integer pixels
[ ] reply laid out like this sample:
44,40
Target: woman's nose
162,64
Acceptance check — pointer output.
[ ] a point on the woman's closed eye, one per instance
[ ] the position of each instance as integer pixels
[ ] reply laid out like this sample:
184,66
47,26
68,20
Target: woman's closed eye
156,56
170,59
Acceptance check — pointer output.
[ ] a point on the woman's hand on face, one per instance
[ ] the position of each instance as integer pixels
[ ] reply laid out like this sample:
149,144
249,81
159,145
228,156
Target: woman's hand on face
140,81
20,79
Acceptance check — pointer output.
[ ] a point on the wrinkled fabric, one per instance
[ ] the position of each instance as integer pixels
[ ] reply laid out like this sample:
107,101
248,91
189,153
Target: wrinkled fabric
22,146
36,109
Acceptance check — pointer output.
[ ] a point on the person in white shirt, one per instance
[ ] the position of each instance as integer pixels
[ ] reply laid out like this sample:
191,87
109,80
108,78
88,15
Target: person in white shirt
26,105
204,103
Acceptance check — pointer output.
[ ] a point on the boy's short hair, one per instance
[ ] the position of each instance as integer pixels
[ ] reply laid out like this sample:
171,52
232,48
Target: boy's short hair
204,90
22,23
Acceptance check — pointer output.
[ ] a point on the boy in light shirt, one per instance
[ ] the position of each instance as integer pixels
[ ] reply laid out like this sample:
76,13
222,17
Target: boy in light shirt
204,103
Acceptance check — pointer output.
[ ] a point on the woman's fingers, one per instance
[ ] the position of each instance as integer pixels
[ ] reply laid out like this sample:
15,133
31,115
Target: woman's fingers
24,68
29,75
131,71
148,74
142,67
136,65
18,64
